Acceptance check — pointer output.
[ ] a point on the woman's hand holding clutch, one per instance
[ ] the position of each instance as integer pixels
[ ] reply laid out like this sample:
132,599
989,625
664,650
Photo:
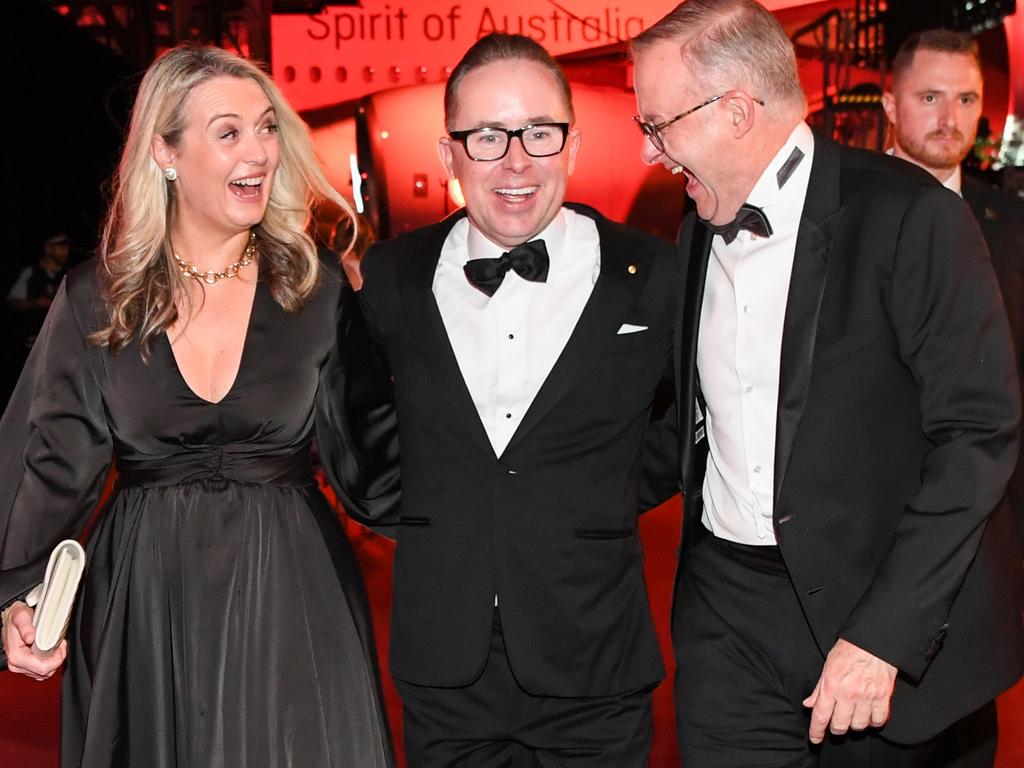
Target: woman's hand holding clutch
18,638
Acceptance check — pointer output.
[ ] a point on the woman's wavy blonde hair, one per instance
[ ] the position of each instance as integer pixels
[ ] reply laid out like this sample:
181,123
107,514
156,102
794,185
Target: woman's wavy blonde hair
139,279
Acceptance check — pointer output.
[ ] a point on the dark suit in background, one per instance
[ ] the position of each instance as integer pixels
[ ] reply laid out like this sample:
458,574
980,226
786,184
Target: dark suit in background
1001,218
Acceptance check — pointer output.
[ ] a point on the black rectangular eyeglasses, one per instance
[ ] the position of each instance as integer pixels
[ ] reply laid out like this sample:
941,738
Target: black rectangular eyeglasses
487,144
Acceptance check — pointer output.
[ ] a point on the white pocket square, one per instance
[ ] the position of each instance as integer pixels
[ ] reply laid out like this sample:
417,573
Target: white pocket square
629,328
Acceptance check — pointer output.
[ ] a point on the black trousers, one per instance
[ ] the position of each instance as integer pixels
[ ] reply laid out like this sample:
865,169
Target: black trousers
747,659
494,723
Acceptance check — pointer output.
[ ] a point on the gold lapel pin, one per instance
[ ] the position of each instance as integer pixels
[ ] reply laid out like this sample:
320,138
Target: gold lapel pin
631,269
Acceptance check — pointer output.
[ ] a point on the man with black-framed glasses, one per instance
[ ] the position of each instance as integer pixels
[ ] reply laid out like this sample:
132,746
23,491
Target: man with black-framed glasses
848,585
527,340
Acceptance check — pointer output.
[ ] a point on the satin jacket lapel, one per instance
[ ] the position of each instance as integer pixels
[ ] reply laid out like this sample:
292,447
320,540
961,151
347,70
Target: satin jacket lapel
428,328
615,292
694,250
815,237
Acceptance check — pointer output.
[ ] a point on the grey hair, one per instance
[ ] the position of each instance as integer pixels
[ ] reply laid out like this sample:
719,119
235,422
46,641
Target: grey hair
732,44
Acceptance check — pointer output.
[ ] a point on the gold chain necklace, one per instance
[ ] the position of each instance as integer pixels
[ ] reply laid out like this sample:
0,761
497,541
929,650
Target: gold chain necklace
211,276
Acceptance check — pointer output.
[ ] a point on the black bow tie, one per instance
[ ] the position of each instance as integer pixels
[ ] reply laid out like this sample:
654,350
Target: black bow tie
529,260
750,218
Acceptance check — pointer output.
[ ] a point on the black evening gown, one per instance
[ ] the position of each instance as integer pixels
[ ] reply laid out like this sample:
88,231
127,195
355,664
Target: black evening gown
223,619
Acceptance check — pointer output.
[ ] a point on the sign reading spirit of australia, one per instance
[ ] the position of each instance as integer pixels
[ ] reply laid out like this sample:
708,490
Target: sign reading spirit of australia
345,52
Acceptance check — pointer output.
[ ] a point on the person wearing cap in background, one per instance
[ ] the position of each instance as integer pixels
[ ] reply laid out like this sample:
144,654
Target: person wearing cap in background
28,300
36,284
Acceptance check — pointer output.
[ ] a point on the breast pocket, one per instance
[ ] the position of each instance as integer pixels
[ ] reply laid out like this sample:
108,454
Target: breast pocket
624,373
650,340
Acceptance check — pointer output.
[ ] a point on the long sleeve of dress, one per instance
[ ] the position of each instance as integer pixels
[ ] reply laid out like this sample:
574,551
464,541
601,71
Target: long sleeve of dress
55,447
357,427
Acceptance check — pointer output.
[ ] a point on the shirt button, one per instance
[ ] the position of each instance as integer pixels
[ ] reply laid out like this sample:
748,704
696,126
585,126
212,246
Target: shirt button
511,336
508,415
757,469
746,309
748,389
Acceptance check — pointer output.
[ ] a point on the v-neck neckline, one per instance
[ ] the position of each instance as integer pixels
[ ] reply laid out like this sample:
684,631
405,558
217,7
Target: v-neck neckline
241,360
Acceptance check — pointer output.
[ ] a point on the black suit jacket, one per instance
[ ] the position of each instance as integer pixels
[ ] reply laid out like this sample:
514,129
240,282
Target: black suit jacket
896,433
550,526
1001,218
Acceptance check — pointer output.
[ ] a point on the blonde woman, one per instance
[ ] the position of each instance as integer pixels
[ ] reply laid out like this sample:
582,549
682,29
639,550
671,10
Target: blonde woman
222,619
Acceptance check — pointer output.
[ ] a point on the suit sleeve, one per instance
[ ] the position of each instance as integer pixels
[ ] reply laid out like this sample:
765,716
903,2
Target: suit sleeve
953,335
357,426
665,451
659,480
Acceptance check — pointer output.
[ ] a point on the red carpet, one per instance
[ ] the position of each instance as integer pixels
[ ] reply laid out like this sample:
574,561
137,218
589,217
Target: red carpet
29,719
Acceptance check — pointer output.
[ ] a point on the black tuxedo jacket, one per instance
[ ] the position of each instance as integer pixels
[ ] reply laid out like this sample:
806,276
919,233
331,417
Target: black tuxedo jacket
1001,218
896,433
550,526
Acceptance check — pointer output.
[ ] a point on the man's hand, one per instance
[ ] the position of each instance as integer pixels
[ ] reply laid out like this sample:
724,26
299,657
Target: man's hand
853,692
18,637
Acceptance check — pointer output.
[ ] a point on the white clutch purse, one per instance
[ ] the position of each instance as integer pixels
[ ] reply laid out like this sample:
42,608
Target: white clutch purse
55,597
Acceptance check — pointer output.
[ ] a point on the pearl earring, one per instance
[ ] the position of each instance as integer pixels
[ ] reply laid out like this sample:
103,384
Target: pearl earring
170,174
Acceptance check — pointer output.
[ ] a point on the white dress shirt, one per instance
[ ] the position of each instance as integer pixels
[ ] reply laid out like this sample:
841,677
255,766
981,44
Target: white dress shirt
739,349
507,344
955,181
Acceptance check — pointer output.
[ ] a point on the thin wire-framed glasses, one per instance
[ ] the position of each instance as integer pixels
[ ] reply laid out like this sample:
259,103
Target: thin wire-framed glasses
653,130
487,144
